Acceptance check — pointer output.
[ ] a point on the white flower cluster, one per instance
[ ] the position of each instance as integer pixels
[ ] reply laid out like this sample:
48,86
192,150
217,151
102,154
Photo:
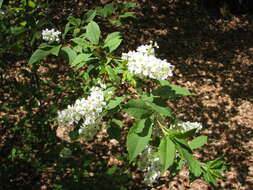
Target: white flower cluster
187,126
51,35
144,62
150,165
88,111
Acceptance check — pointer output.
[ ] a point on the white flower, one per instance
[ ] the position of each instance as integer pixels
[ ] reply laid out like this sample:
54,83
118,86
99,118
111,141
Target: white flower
187,126
144,63
153,172
101,84
88,111
51,35
150,164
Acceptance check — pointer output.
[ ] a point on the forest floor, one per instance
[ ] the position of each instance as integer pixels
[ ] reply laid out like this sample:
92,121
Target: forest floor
213,57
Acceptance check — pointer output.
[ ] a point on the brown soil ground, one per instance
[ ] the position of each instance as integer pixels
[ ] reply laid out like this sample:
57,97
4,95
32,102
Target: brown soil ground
213,57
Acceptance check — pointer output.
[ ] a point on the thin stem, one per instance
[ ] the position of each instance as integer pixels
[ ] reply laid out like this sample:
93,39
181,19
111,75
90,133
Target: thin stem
164,130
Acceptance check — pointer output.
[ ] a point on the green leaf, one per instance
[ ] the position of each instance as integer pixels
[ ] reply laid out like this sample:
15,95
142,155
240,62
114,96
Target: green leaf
109,9
171,92
117,122
99,11
113,44
93,32
182,143
164,82
38,55
84,44
112,75
217,173
74,21
161,110
216,164
114,102
76,32
138,109
181,91
74,135
90,15
165,92
194,165
212,170
210,178
176,90
115,21
13,154
186,134
113,130
138,113
112,170
36,36
166,152
66,30
113,41
81,58
55,50
137,103
106,11
127,15
31,4
78,49
112,35
90,68
198,142
1,2
70,54
43,51
45,46
128,5
129,77
108,60
138,137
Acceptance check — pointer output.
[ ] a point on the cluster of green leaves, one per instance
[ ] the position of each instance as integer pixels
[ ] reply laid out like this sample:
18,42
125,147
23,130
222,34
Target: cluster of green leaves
84,46
177,142
115,12
86,51
174,147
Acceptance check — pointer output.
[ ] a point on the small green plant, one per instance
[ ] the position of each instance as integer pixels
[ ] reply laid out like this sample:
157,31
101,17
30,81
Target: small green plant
1,2
20,23
115,12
